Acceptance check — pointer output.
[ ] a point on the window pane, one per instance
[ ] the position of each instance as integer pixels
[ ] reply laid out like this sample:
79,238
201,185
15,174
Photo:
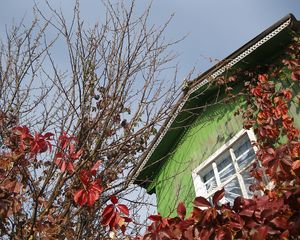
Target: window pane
232,191
209,180
245,159
244,153
225,169
248,180
244,145
208,175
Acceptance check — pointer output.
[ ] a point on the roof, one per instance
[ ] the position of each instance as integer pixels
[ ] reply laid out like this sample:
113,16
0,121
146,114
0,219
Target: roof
261,47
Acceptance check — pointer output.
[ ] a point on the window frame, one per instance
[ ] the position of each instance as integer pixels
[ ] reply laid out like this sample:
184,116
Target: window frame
200,188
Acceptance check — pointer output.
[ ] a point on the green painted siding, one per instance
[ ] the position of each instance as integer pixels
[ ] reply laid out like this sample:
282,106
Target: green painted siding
168,171
211,130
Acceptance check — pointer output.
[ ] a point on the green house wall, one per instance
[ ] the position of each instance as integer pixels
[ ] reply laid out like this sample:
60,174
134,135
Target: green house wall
196,134
212,129
209,132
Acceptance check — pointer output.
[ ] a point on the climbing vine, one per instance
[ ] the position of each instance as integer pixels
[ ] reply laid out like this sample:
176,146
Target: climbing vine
272,214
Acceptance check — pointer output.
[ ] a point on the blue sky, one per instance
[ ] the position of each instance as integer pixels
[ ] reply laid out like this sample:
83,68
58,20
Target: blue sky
215,28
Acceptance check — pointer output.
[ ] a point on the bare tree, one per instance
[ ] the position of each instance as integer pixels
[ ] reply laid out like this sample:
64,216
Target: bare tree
110,93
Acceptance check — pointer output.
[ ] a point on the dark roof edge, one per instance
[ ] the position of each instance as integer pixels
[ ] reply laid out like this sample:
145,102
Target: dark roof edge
295,25
218,69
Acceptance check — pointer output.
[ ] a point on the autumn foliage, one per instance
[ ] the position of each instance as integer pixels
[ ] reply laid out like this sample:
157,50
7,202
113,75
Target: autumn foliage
21,148
273,214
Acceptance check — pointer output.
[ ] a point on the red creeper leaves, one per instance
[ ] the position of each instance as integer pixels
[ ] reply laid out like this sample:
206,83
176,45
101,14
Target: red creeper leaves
38,143
66,153
115,215
218,196
24,137
201,202
91,189
181,210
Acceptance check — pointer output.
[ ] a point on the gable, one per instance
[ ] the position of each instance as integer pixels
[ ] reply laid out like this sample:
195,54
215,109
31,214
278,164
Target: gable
264,48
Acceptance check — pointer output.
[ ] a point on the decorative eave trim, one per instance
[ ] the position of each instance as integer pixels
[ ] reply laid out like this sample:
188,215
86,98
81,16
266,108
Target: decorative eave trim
210,77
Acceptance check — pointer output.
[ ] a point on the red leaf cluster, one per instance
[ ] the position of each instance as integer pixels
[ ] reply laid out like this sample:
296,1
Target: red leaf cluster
115,215
66,153
9,197
91,190
26,142
212,222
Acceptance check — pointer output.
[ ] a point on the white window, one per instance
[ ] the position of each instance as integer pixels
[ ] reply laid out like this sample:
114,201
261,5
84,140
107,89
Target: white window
228,168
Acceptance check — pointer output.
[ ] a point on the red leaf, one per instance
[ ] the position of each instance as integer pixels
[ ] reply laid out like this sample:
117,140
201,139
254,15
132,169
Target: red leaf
79,197
181,210
70,167
113,199
261,233
218,196
263,78
123,229
96,166
63,166
205,234
247,212
155,218
296,165
73,155
106,220
285,235
91,191
85,178
295,76
291,63
12,186
124,209
127,219
48,135
221,234
115,220
92,197
201,202
95,186
280,222
210,214
23,132
236,225
108,210
64,140
287,93
196,214
17,188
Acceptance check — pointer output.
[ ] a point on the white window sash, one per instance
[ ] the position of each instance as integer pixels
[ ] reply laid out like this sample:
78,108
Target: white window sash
200,188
